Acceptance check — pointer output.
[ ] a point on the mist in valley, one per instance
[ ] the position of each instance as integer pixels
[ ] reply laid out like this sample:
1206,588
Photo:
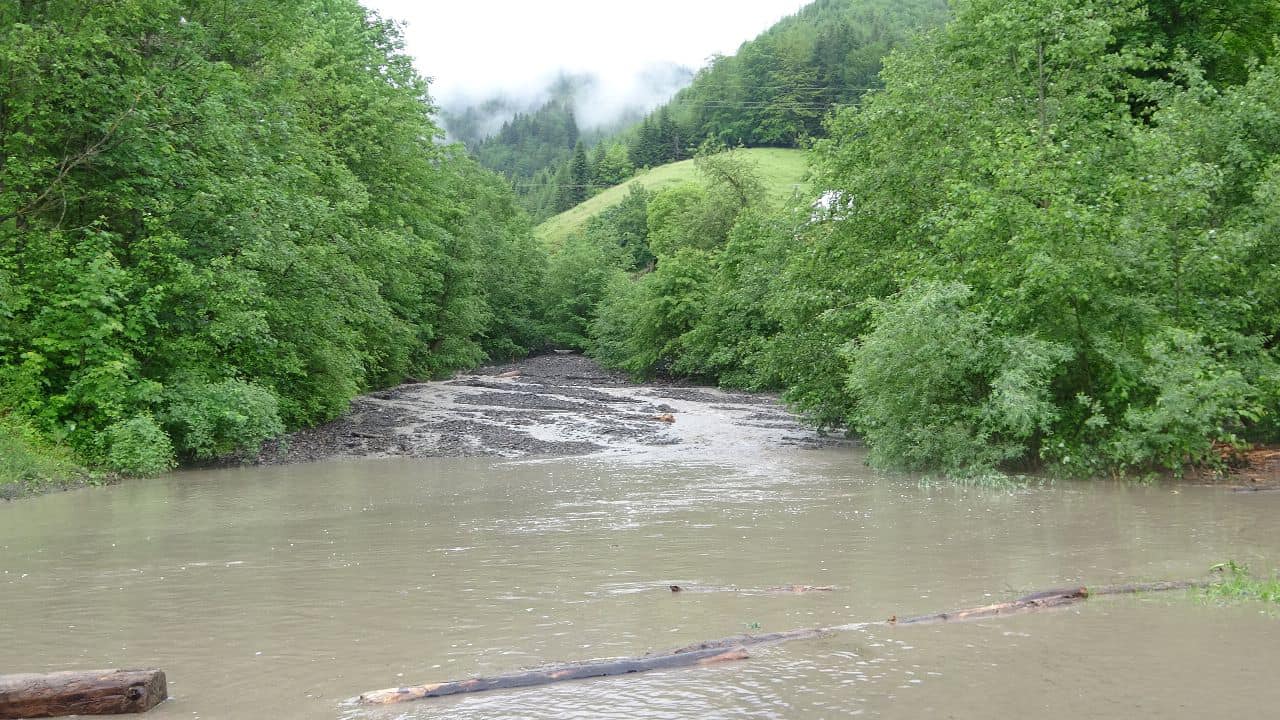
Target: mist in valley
600,104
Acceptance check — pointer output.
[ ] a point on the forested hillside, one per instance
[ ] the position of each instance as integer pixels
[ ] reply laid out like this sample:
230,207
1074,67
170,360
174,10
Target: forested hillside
777,89
219,221
1050,241
774,92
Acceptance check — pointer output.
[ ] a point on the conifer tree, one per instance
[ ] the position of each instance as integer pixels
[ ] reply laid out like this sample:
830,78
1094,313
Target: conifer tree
579,174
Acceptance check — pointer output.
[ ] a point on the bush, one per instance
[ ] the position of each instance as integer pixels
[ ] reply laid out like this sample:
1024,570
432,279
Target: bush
1196,401
937,388
29,463
577,280
209,421
138,447
615,336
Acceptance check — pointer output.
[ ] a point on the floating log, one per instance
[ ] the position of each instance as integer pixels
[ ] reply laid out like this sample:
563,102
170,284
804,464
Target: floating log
95,692
1163,586
1035,601
735,648
774,589
1046,599
559,673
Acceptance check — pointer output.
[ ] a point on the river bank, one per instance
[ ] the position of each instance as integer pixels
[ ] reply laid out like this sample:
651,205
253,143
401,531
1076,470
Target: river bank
556,405
562,405
30,466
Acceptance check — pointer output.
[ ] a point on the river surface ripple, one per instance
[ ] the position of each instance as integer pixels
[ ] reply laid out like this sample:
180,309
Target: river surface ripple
280,592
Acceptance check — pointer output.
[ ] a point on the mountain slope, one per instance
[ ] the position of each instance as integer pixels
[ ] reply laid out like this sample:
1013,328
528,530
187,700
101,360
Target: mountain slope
781,170
774,92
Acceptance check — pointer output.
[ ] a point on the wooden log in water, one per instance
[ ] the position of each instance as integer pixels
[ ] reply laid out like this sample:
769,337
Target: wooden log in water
771,590
1036,601
1136,588
96,692
559,673
734,648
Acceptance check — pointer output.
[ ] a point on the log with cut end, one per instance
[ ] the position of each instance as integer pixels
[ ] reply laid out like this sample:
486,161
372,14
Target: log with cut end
96,692
559,673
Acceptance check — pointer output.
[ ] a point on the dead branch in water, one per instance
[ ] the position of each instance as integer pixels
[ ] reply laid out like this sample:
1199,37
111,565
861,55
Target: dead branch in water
734,648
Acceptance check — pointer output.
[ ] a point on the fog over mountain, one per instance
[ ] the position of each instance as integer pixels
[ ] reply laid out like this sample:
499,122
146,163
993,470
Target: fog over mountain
505,56
597,103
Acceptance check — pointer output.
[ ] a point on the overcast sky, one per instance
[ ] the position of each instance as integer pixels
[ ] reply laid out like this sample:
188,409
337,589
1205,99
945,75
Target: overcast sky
478,46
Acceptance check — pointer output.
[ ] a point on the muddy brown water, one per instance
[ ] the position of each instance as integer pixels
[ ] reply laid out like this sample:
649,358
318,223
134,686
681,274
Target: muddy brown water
280,592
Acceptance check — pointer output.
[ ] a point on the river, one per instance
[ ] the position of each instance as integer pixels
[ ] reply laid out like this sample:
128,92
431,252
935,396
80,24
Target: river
280,592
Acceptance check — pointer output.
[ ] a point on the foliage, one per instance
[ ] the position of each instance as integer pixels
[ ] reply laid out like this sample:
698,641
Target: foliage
578,277
1048,240
1025,153
1199,399
213,420
614,338
30,463
939,388
137,447
1048,235
778,87
1238,584
189,195
653,324
640,327
531,142
729,341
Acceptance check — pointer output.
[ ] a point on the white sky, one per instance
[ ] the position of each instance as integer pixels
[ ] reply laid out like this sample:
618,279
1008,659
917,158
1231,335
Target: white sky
479,46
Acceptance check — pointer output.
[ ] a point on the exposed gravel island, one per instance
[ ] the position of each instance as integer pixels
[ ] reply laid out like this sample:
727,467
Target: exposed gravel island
551,405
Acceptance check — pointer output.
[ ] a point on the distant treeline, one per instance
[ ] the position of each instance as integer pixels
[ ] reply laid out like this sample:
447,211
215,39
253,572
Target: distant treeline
221,220
774,92
1049,241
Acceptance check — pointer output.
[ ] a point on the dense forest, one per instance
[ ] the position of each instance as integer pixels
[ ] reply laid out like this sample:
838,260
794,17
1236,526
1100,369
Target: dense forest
222,220
1040,235
1050,241
774,92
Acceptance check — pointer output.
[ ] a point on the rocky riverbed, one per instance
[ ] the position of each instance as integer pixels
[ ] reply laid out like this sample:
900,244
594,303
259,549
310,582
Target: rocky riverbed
552,405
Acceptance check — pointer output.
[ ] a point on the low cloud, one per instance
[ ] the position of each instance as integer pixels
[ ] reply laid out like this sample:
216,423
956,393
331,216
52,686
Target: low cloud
598,102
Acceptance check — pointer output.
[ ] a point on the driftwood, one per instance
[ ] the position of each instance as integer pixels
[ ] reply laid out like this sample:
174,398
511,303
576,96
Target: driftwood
734,648
559,673
97,692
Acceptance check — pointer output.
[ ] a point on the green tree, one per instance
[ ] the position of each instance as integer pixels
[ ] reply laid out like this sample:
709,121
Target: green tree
580,174
219,221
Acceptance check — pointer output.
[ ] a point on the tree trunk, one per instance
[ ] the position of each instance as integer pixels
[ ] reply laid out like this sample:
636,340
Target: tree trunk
734,648
1035,601
557,673
96,692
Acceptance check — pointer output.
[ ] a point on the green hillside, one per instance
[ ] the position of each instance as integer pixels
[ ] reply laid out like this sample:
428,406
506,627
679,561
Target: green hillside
781,170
